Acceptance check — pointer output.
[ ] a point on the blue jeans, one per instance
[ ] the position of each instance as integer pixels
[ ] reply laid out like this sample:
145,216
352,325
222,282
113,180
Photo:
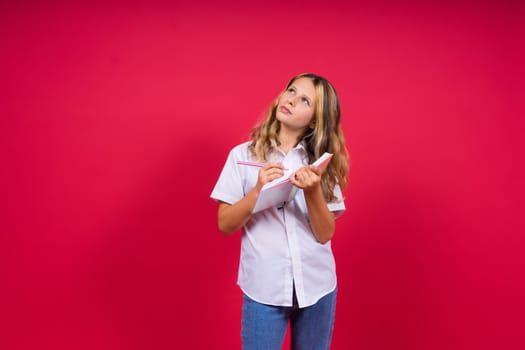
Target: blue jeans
264,326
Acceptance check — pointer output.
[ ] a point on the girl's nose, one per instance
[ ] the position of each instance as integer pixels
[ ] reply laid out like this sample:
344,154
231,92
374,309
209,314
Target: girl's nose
291,100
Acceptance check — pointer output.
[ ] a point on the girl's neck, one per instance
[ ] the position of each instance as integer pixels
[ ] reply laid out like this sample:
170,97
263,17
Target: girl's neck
287,140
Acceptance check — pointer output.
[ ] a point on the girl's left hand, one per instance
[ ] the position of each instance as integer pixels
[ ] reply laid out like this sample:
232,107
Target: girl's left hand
306,178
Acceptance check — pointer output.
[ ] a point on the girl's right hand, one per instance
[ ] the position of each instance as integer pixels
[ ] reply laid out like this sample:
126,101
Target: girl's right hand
269,172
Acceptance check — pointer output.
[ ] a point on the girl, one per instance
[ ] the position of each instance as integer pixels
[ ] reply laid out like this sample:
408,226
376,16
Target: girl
287,270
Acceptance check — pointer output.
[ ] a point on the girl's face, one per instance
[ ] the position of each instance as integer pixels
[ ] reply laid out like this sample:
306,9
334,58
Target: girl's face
297,105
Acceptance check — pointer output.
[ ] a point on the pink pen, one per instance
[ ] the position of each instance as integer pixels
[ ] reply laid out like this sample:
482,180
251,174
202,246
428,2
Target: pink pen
257,164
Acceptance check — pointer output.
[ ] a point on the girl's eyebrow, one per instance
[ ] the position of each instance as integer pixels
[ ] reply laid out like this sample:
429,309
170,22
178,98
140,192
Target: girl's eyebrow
295,87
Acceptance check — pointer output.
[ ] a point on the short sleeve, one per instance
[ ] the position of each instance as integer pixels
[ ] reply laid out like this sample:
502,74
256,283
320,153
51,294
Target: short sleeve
338,206
229,186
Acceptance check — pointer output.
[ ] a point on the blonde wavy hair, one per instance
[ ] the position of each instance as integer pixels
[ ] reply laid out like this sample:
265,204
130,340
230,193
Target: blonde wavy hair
325,136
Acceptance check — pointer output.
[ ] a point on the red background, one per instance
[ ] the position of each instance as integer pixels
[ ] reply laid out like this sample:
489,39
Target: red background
116,120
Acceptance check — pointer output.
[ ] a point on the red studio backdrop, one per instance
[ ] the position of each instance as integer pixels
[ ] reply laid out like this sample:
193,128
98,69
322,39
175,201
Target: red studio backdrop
116,119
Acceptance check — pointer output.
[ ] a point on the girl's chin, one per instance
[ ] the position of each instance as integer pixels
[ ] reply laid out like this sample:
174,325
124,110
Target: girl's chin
282,116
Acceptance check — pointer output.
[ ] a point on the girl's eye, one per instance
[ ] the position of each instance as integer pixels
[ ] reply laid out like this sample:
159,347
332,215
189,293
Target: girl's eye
305,101
292,91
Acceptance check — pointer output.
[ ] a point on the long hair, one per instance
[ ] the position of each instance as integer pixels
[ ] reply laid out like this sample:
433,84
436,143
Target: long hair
325,136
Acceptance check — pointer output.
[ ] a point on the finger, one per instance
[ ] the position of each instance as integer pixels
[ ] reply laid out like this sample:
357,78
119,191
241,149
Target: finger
315,170
269,169
308,177
275,165
276,171
294,179
305,174
267,166
272,174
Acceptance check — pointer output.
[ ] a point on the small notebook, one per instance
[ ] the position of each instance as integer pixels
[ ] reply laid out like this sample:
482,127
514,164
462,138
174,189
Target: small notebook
279,191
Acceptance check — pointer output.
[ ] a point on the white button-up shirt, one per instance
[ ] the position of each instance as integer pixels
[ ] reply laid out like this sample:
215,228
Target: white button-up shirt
278,248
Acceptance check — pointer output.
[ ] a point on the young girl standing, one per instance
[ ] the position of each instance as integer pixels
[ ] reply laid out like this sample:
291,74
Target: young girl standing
287,269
